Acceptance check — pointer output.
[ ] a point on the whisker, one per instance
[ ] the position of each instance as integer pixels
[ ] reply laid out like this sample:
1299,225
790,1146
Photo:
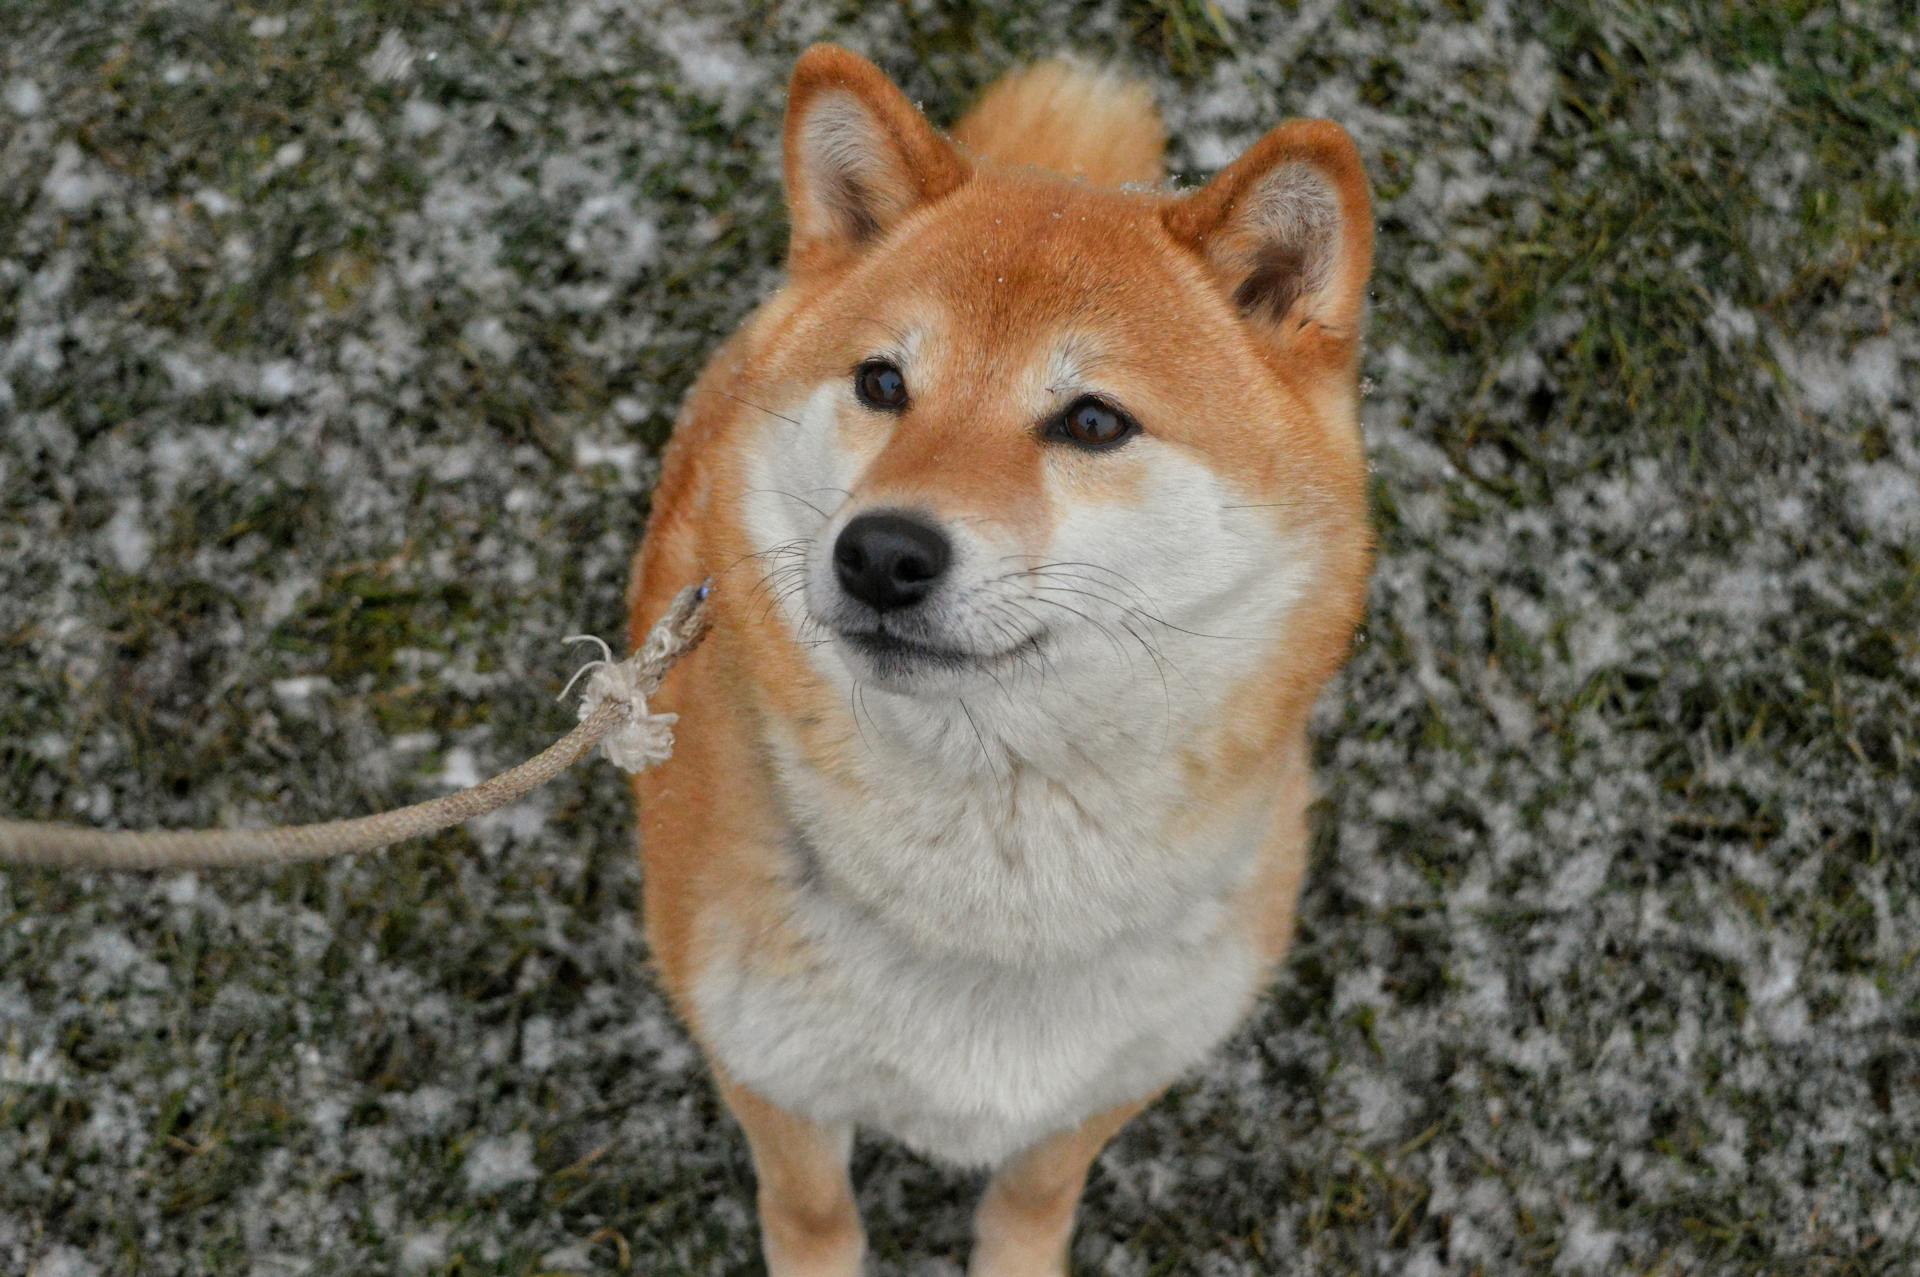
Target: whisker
762,407
781,492
1162,621
853,712
1162,662
796,545
1166,695
1117,646
1053,574
859,704
1053,565
985,757
1039,653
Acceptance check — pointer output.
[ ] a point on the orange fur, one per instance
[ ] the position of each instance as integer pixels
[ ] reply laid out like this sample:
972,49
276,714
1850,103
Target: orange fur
1022,256
1063,117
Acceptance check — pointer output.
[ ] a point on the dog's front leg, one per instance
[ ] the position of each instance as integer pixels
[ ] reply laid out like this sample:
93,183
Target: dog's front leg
1025,1221
809,1226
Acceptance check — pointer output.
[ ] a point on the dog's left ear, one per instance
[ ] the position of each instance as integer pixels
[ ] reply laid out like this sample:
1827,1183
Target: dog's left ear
859,156
1288,231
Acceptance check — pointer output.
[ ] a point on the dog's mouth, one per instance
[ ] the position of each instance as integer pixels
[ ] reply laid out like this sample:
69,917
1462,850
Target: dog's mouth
896,655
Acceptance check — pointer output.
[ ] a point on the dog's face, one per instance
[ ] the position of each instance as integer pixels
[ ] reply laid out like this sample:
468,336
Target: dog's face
1029,426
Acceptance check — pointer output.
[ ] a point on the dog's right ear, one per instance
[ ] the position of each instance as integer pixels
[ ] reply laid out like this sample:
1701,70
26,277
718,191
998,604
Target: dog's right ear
859,157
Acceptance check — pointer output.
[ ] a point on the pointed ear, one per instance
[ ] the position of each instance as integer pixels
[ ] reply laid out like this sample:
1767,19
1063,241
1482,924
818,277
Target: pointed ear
1288,230
859,156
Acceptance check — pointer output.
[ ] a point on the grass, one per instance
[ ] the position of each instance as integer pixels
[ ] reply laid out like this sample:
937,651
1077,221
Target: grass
309,331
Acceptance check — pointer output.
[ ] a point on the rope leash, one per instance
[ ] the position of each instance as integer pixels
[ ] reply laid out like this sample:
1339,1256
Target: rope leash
613,714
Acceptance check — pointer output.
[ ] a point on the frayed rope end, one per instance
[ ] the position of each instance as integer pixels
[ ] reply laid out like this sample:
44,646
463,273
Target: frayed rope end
643,739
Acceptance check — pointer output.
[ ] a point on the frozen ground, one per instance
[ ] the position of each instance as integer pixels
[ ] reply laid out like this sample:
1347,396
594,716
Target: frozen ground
335,345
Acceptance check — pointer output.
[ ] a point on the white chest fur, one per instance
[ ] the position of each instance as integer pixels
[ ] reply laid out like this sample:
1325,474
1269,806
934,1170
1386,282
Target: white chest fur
990,960
966,1060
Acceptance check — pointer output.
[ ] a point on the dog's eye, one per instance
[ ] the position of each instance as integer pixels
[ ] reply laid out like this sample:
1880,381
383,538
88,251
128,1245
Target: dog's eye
880,385
1092,423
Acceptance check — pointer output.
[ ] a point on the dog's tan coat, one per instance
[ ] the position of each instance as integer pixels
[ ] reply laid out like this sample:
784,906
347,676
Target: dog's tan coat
979,242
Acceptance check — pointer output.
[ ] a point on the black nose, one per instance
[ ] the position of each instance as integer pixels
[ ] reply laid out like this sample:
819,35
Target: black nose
890,560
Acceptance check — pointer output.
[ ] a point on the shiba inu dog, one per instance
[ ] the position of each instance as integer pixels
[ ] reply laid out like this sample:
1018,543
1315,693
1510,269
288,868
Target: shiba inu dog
1036,508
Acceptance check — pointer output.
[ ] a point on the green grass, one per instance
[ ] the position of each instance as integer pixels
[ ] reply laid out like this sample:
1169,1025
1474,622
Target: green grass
1627,254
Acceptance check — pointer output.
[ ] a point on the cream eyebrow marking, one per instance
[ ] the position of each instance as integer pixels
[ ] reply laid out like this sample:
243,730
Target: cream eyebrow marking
907,345
1069,364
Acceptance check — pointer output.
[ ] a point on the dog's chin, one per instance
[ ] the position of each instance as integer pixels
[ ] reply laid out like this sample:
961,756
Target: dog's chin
909,666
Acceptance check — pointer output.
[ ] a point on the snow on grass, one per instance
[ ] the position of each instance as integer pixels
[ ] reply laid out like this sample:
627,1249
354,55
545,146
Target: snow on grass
494,1164
335,355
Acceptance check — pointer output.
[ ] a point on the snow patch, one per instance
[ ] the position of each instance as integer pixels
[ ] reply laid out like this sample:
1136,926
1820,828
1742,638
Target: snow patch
75,182
459,770
501,1162
63,1261
1886,501
426,1249
127,537
392,59
711,63
23,97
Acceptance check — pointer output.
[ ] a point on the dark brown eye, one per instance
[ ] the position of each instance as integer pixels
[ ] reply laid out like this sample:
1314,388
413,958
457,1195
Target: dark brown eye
1092,424
880,385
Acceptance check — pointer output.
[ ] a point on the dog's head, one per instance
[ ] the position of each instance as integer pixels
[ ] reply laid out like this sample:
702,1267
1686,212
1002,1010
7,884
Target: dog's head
1014,422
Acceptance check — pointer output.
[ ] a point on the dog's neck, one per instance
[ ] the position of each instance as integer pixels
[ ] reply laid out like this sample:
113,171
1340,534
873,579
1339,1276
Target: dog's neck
1025,826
